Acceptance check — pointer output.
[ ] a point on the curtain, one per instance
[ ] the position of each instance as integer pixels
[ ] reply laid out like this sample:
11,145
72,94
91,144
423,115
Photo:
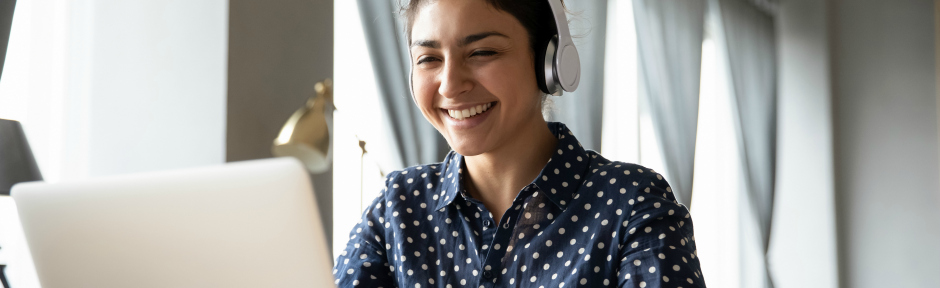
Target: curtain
414,138
747,34
669,38
582,110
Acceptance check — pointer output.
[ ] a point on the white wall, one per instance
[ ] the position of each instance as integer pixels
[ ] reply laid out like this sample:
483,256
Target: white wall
803,240
858,133
884,107
157,93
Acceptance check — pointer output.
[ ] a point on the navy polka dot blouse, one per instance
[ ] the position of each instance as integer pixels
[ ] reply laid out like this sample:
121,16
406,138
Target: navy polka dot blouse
584,222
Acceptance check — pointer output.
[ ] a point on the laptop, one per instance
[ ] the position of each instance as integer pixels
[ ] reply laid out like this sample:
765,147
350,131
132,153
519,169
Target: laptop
242,224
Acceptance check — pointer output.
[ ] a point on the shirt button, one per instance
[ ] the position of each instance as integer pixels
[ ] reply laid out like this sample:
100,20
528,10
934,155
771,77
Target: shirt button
487,275
487,223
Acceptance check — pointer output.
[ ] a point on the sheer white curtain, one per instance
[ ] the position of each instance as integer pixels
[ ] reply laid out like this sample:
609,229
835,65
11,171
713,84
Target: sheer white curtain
621,122
669,36
746,35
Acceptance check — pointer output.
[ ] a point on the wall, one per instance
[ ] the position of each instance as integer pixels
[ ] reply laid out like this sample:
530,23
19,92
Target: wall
884,111
277,52
156,85
803,240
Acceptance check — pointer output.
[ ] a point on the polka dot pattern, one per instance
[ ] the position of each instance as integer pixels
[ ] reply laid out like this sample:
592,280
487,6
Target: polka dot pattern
585,221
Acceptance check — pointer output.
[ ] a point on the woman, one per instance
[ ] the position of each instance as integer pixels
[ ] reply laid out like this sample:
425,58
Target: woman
518,202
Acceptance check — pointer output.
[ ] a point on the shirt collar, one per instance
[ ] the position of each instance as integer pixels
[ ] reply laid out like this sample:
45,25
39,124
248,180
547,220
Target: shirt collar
559,180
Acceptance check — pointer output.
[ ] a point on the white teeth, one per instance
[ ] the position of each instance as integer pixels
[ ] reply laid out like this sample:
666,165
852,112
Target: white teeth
472,111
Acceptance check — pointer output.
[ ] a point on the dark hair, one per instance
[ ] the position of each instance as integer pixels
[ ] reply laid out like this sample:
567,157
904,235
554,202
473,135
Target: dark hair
535,15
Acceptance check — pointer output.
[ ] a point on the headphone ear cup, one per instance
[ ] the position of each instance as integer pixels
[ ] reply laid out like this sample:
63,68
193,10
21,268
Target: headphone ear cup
540,75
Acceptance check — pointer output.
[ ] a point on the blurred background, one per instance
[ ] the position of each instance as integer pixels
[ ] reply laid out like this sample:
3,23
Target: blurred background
802,134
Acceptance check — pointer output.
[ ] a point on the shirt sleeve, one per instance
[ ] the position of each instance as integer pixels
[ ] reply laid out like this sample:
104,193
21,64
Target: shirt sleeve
364,262
658,247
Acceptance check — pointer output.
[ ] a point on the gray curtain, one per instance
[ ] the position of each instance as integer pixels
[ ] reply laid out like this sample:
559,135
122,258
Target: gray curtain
669,38
582,110
747,32
416,140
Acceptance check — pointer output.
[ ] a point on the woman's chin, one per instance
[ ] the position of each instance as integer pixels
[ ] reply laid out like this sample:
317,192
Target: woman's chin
467,147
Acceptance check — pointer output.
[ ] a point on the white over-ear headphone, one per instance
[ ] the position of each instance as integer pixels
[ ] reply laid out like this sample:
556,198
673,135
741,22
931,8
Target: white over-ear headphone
560,68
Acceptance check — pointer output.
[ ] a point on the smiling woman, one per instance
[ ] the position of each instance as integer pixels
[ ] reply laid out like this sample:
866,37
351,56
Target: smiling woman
518,202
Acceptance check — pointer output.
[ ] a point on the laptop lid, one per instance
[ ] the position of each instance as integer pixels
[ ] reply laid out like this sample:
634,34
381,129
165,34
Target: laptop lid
242,224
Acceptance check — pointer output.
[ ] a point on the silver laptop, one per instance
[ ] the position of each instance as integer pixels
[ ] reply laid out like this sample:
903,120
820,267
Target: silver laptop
242,224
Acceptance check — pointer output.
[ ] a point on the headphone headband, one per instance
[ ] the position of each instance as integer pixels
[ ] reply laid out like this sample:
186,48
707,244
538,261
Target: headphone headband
562,65
558,11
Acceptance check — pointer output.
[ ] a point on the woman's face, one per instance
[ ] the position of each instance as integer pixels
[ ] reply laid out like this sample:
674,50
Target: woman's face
467,57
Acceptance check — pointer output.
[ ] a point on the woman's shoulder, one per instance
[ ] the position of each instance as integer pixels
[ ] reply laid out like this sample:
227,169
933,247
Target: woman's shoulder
627,178
601,166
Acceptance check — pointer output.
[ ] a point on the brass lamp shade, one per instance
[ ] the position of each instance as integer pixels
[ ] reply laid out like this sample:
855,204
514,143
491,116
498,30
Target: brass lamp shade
306,135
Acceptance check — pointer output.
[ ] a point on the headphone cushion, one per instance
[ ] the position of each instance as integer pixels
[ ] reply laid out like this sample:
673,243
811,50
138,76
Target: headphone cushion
546,67
540,54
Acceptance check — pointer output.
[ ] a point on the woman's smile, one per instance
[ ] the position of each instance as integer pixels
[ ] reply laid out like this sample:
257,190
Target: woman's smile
467,116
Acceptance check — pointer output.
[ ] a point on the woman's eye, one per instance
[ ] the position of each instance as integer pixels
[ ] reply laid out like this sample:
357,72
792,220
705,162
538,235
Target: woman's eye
423,60
483,53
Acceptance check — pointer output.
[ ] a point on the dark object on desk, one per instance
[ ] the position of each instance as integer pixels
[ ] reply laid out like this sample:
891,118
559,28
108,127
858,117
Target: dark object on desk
6,21
16,159
16,165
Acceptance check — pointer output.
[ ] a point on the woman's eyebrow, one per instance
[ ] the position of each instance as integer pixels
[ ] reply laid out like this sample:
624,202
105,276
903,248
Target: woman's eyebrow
426,43
479,36
464,42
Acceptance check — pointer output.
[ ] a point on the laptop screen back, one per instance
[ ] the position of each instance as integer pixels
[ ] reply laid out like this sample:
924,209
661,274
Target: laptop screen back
242,224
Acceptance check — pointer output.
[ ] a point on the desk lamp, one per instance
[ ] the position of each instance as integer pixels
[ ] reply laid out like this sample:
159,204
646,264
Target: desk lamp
307,133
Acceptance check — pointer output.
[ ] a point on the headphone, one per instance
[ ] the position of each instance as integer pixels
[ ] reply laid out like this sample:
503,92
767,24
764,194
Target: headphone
558,67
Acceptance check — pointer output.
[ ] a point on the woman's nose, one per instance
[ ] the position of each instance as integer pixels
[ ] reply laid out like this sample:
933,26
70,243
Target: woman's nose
454,80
